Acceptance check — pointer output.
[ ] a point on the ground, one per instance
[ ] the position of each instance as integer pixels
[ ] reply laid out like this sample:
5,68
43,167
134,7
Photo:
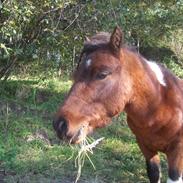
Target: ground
31,153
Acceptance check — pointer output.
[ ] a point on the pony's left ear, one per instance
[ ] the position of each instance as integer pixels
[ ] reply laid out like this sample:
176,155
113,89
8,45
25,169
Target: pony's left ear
116,39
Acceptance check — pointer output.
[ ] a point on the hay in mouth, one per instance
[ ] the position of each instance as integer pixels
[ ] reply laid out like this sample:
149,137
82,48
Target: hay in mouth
85,149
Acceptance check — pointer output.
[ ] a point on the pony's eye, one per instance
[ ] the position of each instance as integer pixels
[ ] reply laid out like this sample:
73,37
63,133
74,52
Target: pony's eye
102,75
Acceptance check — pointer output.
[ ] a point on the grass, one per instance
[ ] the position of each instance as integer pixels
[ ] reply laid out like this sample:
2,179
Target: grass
30,151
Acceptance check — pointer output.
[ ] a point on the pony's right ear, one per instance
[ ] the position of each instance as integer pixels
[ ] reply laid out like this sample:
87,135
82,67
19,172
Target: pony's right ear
116,39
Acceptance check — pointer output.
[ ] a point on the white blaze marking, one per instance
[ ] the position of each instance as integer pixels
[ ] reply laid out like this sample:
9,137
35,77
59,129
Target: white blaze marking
88,62
176,181
157,70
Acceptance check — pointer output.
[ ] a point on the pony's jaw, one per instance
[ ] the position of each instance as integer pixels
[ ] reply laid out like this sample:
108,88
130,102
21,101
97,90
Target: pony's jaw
86,129
81,134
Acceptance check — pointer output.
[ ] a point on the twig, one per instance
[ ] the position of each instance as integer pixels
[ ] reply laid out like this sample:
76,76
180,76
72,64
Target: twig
6,69
74,18
73,58
113,11
61,12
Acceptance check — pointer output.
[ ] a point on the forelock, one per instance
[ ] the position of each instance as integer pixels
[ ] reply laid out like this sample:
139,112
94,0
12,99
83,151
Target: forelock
96,42
100,40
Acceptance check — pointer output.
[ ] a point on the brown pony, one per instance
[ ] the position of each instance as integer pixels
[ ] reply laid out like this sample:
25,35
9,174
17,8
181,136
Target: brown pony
111,78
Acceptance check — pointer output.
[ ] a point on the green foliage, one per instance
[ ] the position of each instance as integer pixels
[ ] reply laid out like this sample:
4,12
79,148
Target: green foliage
30,29
175,67
53,31
146,19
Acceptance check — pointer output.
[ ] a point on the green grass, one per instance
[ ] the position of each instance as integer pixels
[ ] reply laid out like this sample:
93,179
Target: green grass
31,152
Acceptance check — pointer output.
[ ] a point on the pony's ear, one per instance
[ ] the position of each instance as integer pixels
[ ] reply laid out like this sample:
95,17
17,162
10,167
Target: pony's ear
116,39
87,39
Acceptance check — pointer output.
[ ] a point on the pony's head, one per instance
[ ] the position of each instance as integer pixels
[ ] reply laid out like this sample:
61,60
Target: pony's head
100,90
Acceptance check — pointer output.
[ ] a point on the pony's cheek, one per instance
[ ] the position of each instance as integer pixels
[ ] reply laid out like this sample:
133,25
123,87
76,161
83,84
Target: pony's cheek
100,124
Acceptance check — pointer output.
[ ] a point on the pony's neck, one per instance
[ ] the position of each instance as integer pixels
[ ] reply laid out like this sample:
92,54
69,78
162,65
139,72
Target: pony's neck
146,89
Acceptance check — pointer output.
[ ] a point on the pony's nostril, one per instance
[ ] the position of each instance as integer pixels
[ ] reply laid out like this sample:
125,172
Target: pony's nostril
60,126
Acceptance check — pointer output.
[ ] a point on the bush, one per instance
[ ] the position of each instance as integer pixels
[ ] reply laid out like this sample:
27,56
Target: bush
53,31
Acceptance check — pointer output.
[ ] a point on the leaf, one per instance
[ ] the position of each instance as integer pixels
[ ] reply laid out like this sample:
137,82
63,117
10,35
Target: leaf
2,46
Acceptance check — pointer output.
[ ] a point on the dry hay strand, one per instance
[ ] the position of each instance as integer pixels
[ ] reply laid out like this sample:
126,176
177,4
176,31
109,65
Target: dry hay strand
84,151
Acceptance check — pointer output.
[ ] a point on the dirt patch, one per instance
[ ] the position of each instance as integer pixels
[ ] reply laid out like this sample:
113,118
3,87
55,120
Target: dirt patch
39,135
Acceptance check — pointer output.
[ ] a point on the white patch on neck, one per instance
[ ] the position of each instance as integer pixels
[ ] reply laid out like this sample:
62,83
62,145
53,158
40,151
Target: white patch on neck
88,63
157,70
176,181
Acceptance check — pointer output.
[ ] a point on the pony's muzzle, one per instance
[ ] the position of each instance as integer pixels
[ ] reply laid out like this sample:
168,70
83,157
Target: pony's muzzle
61,127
